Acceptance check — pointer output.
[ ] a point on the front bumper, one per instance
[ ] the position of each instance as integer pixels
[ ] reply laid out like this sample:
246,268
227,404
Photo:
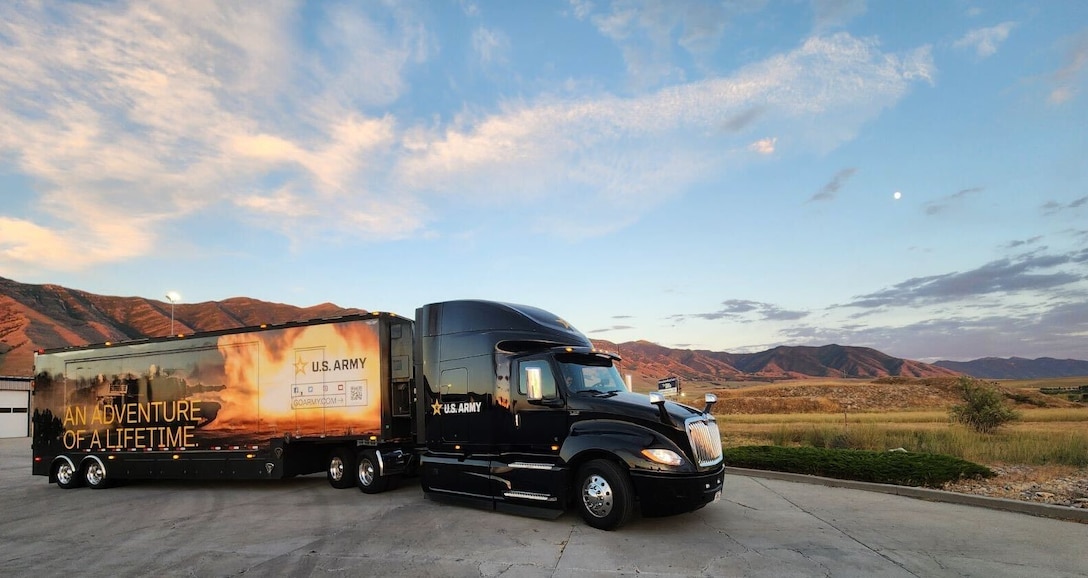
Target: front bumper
664,494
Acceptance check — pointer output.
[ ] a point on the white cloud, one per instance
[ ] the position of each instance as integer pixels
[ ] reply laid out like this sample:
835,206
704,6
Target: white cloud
818,94
147,112
985,41
1067,78
131,117
764,146
491,46
644,29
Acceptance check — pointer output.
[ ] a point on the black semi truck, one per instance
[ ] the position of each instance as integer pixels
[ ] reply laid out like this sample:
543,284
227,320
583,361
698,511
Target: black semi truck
502,404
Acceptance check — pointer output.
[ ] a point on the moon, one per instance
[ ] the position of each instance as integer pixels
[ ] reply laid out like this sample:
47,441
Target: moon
897,195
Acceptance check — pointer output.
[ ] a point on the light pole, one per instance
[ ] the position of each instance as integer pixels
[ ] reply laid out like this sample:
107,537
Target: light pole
173,297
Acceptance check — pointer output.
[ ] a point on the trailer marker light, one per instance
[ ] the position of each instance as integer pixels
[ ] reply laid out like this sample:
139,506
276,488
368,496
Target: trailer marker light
373,438
176,457
555,448
457,447
111,457
249,456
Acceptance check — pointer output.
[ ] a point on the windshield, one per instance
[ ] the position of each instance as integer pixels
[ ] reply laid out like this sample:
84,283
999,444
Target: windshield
590,374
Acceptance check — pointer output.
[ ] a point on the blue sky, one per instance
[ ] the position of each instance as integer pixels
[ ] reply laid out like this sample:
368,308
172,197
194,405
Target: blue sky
703,175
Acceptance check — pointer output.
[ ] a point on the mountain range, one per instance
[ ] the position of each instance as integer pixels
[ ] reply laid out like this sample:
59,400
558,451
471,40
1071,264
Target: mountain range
1018,367
34,317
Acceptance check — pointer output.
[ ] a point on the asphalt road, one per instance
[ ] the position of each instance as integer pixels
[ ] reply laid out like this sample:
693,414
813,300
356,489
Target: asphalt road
302,527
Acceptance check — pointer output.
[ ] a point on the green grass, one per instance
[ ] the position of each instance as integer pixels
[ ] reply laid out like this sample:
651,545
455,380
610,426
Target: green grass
900,468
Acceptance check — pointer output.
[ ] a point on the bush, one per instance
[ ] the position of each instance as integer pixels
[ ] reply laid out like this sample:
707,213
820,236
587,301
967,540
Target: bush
984,410
898,467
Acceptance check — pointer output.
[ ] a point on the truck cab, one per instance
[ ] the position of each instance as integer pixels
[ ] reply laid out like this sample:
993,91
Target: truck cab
520,412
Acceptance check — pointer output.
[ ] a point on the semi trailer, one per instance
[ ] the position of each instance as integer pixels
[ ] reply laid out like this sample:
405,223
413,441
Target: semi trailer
505,405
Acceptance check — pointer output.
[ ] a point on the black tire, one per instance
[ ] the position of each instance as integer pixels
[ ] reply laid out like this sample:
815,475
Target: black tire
341,468
67,475
95,474
368,473
604,494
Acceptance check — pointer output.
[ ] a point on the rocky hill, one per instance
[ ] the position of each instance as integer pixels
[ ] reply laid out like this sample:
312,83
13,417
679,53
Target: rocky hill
45,316
649,362
36,317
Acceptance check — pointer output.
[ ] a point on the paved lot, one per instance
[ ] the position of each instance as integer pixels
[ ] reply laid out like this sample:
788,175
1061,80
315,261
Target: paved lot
302,527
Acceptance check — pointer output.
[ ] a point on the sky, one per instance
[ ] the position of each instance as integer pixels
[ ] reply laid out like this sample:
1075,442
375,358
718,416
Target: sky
726,176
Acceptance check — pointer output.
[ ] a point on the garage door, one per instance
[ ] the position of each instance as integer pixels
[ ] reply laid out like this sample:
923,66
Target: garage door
14,414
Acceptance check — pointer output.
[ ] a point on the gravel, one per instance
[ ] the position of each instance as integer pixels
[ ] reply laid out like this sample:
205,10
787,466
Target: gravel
1062,487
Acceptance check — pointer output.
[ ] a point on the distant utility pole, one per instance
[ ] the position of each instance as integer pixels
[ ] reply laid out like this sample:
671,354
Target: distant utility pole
173,297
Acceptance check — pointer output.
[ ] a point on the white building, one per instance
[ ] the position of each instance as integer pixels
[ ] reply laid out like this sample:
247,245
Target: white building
14,407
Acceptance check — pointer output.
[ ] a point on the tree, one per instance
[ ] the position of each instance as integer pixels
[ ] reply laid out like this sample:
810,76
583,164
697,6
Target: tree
984,409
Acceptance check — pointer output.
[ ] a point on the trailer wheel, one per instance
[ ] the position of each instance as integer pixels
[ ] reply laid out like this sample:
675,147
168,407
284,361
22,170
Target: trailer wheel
605,495
67,476
95,475
341,464
370,478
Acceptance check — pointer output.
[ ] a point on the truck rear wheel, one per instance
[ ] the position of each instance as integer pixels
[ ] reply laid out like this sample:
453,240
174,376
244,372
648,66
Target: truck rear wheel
370,478
95,475
341,465
604,493
67,475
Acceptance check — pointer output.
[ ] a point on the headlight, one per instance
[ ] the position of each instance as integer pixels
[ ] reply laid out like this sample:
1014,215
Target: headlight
661,456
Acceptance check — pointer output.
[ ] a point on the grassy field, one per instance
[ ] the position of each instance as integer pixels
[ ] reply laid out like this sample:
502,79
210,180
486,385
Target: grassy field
1042,436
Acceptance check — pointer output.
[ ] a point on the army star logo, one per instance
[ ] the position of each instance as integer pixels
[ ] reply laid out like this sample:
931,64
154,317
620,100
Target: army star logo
437,407
300,366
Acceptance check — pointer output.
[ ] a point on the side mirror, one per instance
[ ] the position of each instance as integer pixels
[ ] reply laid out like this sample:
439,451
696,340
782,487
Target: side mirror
710,399
537,388
659,400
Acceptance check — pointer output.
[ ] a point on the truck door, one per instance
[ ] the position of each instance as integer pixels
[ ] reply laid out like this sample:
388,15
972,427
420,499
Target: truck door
457,437
538,428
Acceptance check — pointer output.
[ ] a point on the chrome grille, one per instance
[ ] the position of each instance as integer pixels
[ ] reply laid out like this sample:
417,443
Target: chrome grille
705,440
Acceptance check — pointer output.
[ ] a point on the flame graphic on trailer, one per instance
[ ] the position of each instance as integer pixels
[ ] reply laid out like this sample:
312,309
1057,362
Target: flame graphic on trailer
311,380
210,391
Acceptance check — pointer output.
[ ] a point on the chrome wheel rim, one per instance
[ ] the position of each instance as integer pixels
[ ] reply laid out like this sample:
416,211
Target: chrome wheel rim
95,474
65,473
597,496
366,473
336,469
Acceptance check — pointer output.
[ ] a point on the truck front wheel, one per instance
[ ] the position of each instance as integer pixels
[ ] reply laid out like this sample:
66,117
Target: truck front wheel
604,494
370,478
341,465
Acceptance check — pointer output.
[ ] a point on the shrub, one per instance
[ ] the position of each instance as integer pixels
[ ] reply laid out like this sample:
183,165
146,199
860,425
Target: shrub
900,468
984,409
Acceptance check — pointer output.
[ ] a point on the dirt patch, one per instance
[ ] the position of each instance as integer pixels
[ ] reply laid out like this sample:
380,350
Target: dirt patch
1061,486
